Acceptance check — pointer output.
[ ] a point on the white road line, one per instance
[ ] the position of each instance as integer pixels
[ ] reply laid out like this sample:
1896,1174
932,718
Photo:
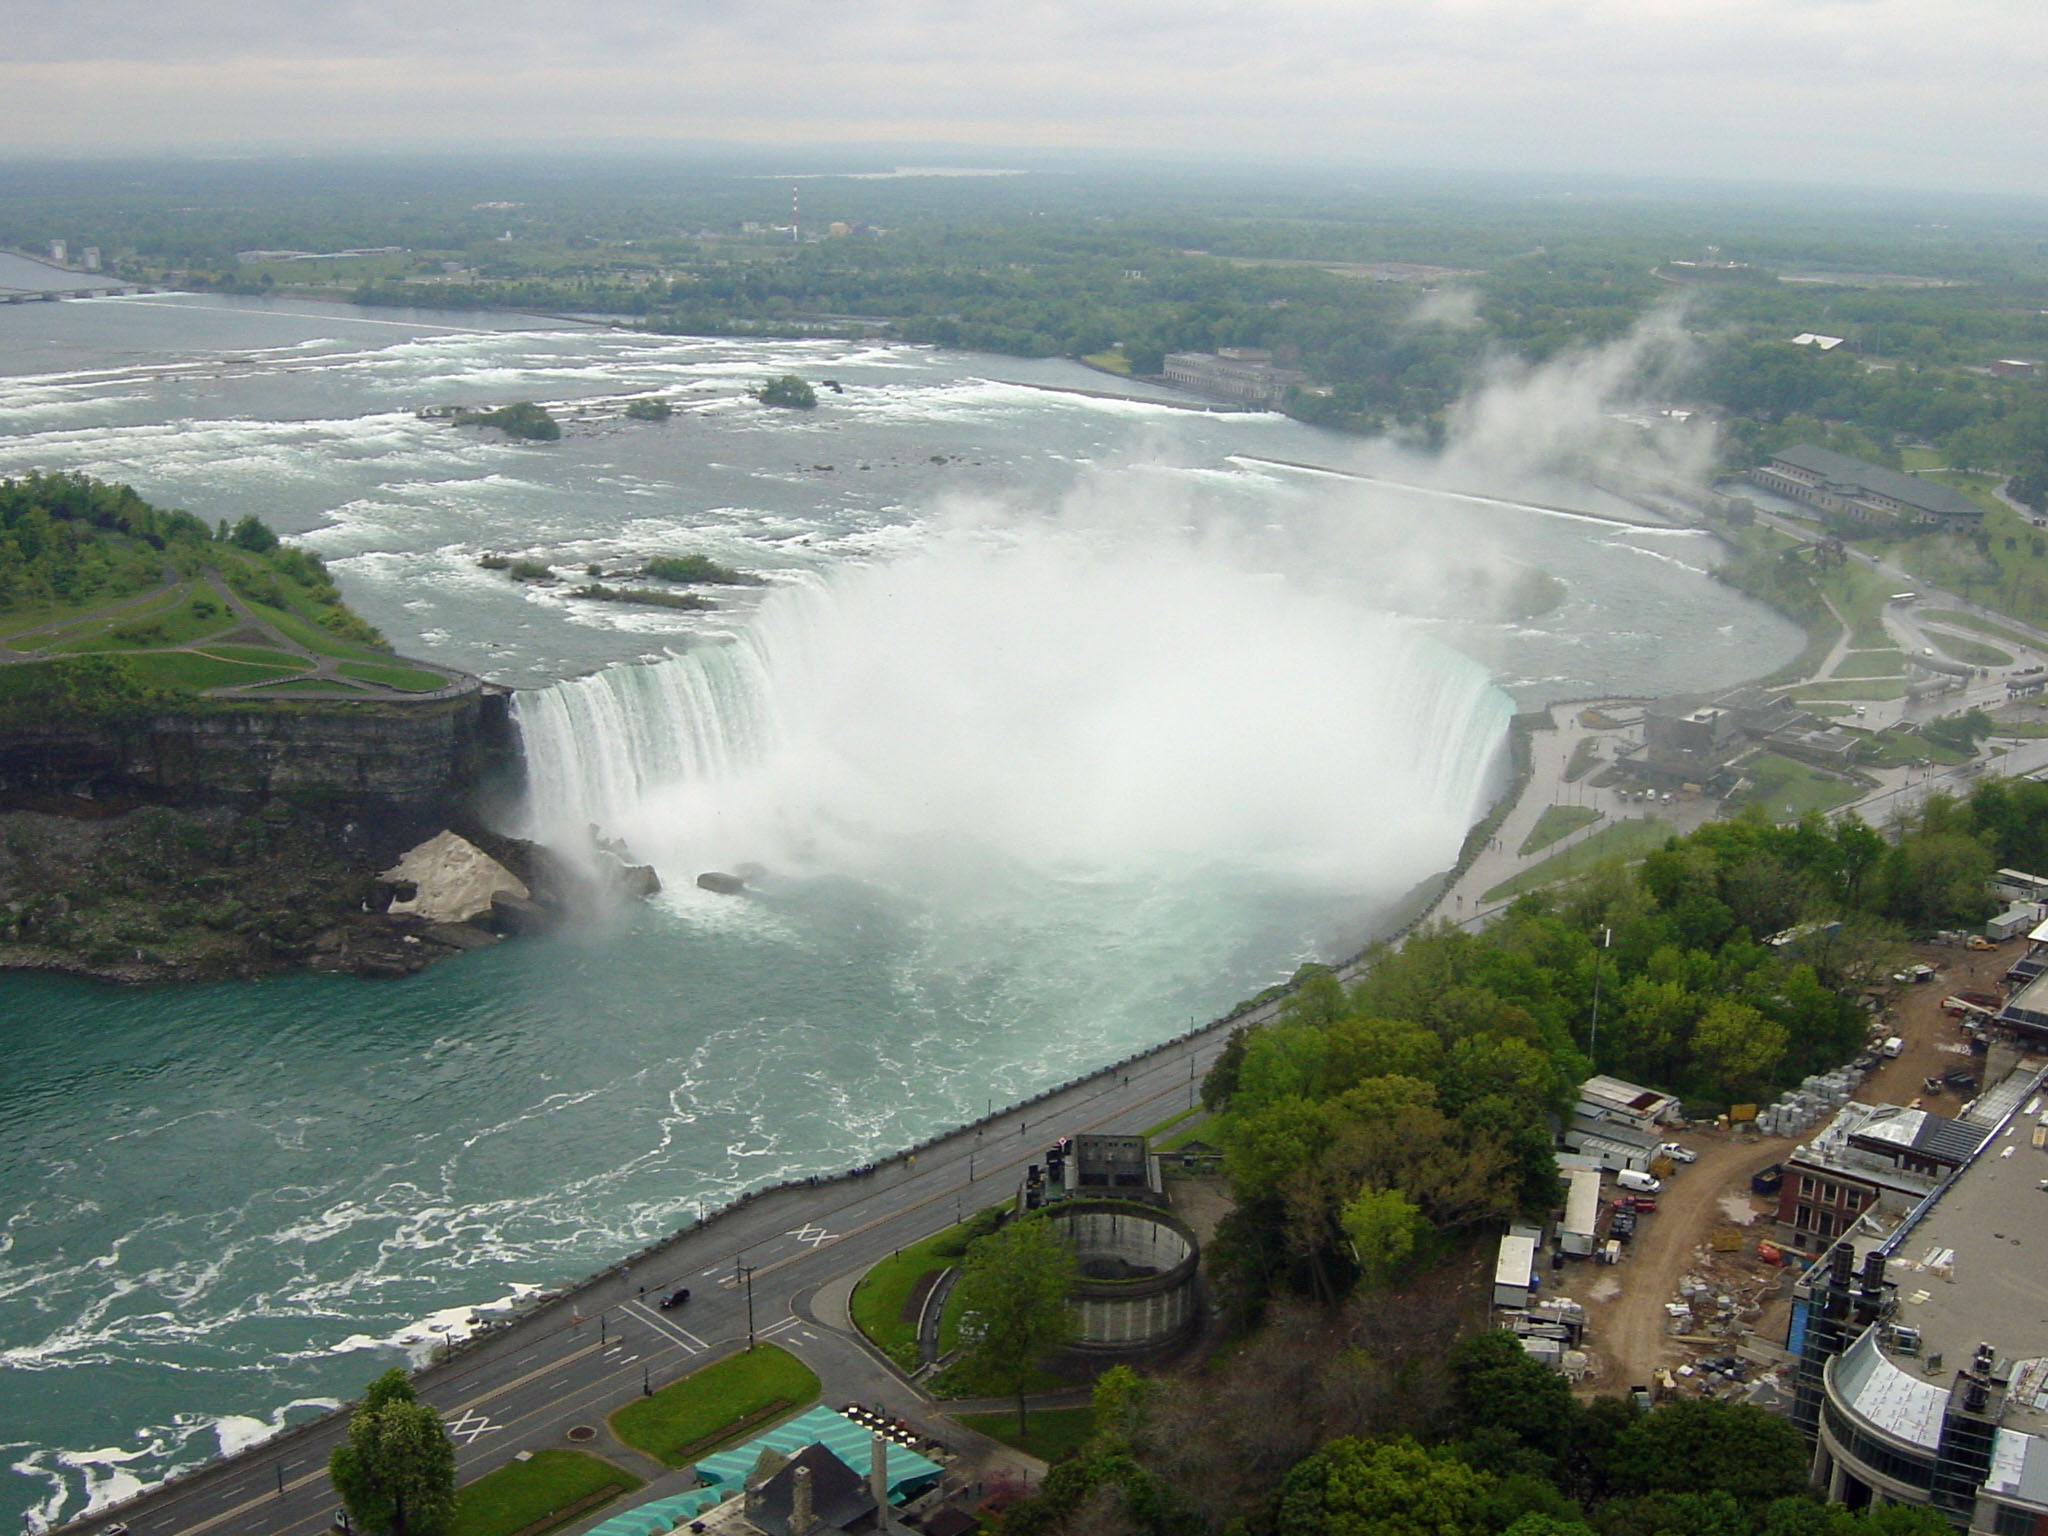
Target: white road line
788,1322
686,1340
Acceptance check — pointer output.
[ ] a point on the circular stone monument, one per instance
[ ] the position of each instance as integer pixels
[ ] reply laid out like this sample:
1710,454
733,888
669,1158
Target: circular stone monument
1136,1290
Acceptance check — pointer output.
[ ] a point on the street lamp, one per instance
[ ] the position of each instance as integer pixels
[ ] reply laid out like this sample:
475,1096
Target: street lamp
747,1274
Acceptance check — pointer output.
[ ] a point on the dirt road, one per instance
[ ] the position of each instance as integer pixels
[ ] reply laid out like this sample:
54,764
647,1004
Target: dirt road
1625,1304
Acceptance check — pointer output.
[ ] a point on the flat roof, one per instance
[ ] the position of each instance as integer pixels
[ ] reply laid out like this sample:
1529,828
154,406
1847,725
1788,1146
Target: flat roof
1974,1268
1517,1262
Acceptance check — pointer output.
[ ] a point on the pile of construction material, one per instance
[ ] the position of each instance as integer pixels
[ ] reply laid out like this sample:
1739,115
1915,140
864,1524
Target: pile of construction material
1797,1110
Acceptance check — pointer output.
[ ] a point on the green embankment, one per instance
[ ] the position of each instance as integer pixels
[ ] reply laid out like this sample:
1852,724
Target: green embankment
1884,663
741,1394
1956,618
1627,839
1787,789
881,1302
1555,824
1970,652
522,1496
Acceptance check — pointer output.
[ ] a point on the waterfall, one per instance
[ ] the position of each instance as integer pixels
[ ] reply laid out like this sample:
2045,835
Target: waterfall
1040,701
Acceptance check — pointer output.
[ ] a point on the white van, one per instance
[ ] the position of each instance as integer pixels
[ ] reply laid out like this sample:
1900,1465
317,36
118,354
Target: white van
1892,1046
1640,1183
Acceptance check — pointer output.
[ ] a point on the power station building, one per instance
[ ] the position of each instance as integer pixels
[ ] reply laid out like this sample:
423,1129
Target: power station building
1922,1350
1244,374
1865,493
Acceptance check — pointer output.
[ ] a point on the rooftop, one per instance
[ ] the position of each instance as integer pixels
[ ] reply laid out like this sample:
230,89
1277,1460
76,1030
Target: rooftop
1974,1268
1841,469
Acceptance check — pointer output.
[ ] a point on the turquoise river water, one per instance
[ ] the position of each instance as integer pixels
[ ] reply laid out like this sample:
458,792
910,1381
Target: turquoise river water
1058,722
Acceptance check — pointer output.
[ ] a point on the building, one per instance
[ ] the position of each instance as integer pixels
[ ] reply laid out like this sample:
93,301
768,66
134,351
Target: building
1234,373
1514,1271
1578,1234
58,251
1865,493
1609,1101
1869,1157
2015,368
1818,342
1922,1340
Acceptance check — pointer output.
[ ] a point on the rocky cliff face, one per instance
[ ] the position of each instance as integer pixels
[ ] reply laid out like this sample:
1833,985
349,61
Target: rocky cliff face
400,766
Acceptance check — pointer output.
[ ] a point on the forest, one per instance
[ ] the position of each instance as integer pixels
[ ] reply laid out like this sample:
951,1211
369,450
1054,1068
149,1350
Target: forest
1373,1134
1396,295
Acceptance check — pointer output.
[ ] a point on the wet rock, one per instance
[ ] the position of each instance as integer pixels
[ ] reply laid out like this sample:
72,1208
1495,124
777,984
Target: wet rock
719,881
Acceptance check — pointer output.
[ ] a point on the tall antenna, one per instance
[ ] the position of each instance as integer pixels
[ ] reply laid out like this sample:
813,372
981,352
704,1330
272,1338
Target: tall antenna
795,228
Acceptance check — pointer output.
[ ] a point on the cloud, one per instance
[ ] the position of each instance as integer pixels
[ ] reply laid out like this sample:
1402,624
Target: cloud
1883,90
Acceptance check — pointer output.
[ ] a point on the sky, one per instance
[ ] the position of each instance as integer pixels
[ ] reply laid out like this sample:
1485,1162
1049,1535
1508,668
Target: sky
1926,93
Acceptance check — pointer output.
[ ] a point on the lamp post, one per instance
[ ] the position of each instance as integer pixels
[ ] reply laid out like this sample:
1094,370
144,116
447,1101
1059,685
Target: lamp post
747,1274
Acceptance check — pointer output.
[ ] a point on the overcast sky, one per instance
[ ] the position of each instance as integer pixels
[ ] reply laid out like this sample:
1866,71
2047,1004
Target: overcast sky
1875,92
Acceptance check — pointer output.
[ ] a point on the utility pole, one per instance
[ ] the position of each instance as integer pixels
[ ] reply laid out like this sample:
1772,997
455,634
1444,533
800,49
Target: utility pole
747,1274
1593,1040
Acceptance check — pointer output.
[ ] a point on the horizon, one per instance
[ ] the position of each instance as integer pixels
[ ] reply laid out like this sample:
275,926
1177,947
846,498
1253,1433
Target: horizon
1896,94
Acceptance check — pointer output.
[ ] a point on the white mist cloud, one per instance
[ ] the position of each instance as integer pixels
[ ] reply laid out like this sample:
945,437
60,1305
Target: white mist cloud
1538,419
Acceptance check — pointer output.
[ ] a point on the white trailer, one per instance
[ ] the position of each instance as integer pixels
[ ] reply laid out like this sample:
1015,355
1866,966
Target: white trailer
1579,1233
1514,1273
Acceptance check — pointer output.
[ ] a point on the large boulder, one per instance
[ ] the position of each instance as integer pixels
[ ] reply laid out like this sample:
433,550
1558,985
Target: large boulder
453,880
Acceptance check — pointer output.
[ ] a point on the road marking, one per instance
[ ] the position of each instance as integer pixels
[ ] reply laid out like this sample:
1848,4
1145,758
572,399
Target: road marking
468,1425
687,1341
810,1232
774,1328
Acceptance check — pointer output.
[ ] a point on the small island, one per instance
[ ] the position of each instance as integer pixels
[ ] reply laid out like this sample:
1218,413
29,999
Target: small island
523,420
788,391
649,408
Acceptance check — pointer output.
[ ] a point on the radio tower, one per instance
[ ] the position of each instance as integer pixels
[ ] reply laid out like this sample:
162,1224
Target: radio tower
795,229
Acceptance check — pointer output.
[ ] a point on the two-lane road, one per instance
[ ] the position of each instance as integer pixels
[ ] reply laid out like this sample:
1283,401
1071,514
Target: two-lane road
574,1361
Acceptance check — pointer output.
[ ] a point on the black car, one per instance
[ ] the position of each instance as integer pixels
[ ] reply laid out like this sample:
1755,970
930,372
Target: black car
675,1299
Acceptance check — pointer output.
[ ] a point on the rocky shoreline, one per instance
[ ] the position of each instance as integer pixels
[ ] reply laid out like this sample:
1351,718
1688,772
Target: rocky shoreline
151,894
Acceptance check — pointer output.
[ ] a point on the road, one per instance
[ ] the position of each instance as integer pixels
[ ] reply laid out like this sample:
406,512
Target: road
754,1268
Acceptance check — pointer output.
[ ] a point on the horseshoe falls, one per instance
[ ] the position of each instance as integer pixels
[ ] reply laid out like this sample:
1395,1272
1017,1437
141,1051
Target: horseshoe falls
1040,720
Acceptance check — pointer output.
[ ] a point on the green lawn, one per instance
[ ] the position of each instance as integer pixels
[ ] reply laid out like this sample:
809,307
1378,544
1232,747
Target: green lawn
1863,692
1887,663
1788,789
1627,839
404,679
261,656
1153,1132
745,1392
180,669
1861,597
1584,757
304,632
1971,652
1556,823
1112,361
522,1494
884,1292
1049,1433
1956,618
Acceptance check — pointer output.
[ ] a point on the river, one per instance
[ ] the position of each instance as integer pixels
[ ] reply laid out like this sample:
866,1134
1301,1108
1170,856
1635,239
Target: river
1057,722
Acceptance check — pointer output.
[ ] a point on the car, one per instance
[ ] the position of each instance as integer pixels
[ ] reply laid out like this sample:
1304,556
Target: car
1959,1080
1678,1152
675,1299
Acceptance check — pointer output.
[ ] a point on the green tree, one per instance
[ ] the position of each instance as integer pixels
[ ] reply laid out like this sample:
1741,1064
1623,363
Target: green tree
1357,1487
1384,1230
1701,1446
396,1470
254,535
1014,1286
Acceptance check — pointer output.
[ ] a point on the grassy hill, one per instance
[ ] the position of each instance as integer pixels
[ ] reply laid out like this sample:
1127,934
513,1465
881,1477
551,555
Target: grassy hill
109,605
